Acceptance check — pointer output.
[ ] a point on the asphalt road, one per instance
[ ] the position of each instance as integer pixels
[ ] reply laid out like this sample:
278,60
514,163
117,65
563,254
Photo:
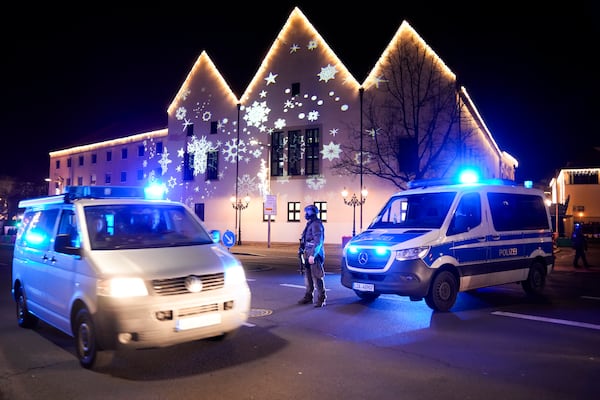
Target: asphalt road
497,343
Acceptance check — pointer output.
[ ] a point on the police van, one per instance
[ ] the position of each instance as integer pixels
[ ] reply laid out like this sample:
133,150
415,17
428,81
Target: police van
115,270
437,239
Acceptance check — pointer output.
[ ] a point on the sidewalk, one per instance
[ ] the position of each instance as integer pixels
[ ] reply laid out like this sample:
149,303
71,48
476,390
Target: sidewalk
333,255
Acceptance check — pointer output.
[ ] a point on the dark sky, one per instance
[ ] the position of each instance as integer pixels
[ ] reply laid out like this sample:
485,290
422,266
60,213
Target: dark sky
76,77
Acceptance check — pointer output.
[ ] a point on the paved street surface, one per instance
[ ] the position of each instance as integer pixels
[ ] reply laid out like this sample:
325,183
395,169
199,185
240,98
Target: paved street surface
333,254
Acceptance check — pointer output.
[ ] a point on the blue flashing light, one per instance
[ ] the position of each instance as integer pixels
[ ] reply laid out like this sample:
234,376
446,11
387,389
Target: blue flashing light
155,191
528,184
468,176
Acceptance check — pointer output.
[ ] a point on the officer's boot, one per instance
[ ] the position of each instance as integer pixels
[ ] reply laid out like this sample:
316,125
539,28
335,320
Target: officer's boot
307,299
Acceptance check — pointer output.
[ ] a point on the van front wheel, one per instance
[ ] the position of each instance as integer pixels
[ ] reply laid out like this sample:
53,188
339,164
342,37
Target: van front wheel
443,292
536,280
85,339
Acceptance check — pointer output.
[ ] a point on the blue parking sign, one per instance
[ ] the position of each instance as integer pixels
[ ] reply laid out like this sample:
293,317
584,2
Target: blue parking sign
228,238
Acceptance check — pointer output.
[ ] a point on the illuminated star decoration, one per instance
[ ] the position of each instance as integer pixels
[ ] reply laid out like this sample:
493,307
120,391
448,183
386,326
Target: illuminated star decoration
379,80
327,73
271,78
312,45
294,48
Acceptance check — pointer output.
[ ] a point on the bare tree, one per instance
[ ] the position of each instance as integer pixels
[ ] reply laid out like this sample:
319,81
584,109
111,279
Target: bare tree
412,119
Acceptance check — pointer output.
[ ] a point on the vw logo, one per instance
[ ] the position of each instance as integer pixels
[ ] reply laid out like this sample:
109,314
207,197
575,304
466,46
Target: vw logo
193,284
363,257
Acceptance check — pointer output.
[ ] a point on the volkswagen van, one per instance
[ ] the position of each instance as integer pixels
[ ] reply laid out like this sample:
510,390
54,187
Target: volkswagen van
115,270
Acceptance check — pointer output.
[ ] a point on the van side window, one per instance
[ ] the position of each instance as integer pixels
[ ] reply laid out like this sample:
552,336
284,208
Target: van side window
467,215
68,226
512,212
38,228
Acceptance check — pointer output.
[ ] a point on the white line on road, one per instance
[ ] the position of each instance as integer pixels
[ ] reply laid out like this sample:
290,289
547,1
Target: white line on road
551,320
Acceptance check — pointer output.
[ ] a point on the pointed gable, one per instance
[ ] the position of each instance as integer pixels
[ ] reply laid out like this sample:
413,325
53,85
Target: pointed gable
298,36
203,79
404,33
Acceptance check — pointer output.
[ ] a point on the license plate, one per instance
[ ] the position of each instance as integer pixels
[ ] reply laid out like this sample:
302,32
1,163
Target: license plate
198,322
363,287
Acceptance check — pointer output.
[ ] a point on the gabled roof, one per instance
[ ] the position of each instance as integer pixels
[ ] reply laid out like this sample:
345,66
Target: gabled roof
296,22
204,66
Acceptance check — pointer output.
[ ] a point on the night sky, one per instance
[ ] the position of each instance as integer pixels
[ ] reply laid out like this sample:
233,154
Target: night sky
77,77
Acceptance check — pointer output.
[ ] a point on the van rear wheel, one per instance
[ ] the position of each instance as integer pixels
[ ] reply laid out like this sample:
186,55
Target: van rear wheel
24,318
536,280
443,292
85,339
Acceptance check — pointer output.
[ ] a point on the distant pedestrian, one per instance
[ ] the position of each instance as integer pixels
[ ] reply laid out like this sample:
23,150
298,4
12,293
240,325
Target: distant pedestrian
579,243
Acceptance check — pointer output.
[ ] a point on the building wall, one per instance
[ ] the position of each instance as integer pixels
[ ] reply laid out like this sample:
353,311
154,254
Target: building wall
301,85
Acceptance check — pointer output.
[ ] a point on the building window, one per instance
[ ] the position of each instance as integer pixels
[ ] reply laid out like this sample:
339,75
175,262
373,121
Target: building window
141,150
212,165
294,153
123,176
294,211
213,127
188,166
140,174
93,179
277,148
322,206
68,183
68,162
94,158
123,154
80,161
107,178
295,88
159,147
108,155
312,148
80,181
57,164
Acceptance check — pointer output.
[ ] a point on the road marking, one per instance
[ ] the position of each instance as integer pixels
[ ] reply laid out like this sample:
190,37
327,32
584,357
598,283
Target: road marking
551,320
294,286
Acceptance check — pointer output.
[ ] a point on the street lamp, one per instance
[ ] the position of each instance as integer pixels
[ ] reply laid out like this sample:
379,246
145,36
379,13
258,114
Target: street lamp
354,201
239,205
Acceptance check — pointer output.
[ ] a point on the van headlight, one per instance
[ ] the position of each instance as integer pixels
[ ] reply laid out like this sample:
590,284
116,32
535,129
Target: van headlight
411,254
235,275
122,287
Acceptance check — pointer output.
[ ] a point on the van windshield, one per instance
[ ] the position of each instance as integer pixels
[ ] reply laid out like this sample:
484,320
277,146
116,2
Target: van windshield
136,226
422,210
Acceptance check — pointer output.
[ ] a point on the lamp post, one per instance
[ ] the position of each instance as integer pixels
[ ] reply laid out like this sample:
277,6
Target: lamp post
239,205
354,201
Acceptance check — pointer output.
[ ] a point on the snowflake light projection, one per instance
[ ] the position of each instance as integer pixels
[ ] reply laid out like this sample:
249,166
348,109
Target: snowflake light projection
231,150
164,161
181,113
257,114
327,73
331,151
247,185
316,182
199,148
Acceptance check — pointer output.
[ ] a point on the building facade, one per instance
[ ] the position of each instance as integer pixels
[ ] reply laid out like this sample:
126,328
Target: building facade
304,131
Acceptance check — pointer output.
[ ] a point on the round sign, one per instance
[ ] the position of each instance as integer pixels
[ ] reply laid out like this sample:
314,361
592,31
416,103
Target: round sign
228,238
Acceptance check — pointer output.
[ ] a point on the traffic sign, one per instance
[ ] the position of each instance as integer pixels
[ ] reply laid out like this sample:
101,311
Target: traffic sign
228,238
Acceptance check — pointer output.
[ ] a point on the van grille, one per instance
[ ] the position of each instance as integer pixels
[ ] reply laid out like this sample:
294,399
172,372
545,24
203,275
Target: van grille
173,286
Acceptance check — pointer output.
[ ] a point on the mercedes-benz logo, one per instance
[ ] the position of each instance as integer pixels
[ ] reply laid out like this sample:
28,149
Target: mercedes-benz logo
363,257
193,284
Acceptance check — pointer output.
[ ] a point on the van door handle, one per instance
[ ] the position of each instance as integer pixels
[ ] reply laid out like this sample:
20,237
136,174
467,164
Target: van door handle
495,237
481,239
45,258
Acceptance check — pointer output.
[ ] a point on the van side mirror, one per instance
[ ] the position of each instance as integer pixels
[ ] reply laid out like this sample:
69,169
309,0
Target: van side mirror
62,244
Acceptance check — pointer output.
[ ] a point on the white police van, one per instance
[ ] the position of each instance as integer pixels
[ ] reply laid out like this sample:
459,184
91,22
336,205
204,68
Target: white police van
437,239
115,270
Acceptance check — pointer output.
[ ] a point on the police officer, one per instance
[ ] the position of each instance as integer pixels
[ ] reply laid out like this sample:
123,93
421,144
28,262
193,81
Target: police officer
311,244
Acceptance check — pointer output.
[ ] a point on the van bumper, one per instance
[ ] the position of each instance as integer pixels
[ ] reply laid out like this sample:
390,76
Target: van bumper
139,326
404,278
